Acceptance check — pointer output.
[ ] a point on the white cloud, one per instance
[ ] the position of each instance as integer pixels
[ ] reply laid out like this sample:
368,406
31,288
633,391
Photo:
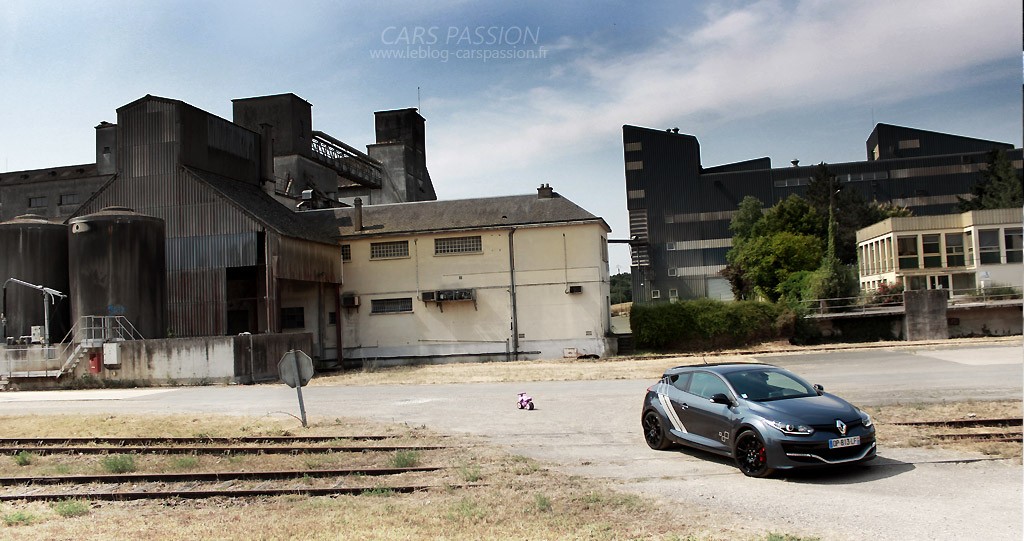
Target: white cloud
742,62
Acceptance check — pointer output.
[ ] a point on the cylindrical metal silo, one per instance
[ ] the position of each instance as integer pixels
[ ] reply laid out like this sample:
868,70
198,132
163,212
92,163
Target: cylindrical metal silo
117,267
34,250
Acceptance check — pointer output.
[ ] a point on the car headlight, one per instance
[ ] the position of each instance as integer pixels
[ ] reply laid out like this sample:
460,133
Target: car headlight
791,429
865,419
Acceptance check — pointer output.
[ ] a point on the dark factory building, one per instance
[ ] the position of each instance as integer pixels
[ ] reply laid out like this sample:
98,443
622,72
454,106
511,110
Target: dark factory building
237,253
679,211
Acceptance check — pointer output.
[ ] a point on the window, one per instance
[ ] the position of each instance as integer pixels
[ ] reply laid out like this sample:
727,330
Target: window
969,243
69,199
346,252
988,246
655,294
671,246
672,271
604,249
907,249
293,318
458,245
635,194
909,143
680,381
1014,239
954,250
634,166
391,306
706,385
632,147
673,293
332,318
37,202
388,250
930,249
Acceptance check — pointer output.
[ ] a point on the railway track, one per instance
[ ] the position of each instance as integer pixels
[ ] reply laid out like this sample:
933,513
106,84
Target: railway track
1012,434
208,484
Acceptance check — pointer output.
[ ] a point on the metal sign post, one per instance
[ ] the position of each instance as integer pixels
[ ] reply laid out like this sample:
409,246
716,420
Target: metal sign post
296,369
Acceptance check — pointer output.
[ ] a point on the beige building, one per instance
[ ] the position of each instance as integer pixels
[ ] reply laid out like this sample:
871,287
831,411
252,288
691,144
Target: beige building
515,277
957,252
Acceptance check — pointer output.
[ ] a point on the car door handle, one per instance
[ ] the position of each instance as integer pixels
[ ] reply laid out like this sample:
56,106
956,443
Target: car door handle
684,405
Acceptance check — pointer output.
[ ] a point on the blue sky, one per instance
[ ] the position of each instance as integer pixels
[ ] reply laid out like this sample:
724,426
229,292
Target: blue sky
783,79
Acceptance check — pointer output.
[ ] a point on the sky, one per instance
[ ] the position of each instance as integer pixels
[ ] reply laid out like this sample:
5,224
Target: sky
517,94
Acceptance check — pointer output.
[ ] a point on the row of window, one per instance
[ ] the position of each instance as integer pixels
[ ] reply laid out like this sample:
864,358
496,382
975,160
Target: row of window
929,253
400,248
43,201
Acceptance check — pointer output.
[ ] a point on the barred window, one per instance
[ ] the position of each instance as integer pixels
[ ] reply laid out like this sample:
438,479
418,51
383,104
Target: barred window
37,202
346,252
458,245
391,306
69,199
386,250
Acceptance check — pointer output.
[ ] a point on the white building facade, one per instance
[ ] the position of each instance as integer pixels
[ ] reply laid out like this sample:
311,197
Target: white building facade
517,277
958,252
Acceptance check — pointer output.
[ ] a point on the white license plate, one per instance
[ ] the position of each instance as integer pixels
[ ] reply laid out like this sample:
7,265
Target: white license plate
839,443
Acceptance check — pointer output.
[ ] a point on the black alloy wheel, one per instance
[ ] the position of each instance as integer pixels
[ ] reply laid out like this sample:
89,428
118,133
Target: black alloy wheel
654,431
751,455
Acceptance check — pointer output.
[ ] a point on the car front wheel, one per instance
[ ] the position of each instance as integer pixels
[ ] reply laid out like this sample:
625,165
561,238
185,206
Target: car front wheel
654,431
751,455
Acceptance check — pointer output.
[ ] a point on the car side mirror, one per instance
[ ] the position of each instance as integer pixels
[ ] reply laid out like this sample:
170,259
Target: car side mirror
819,389
721,398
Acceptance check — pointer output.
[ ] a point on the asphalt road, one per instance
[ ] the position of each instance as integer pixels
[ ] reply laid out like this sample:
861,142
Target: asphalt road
591,428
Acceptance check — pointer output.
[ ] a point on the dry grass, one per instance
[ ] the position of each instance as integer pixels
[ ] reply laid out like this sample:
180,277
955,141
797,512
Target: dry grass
560,370
635,367
512,496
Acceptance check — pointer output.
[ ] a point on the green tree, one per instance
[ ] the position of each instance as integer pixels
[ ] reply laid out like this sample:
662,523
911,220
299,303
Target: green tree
621,288
743,222
757,234
767,261
999,187
851,211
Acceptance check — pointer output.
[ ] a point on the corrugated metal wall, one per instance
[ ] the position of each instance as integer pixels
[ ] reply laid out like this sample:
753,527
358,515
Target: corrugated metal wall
205,234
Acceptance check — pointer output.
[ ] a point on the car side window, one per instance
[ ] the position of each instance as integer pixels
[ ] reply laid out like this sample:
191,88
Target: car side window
680,381
706,385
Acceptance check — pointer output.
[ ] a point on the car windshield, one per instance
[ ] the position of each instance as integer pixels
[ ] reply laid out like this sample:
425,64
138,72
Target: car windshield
762,385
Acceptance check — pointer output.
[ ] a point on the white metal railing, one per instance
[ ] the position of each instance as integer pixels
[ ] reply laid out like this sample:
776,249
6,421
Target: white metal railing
88,332
881,302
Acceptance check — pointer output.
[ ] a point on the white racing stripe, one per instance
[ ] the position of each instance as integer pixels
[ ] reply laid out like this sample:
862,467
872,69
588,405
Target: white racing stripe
673,417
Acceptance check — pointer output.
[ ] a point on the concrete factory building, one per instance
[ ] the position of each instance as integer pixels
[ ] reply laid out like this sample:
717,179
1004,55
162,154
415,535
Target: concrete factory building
222,244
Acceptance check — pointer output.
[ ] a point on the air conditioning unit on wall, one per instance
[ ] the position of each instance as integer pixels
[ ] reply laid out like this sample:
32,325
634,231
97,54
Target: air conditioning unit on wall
350,301
574,289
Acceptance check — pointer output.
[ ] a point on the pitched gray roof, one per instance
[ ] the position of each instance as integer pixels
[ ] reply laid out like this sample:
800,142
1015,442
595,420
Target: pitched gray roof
253,201
459,214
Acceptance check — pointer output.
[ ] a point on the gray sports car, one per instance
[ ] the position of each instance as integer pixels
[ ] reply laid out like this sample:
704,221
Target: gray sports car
762,416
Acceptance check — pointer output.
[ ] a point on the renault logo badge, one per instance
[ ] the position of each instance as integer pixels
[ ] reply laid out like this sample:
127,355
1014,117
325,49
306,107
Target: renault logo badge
841,426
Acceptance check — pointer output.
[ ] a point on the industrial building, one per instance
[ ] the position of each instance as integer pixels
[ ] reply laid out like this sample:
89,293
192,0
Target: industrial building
201,249
679,210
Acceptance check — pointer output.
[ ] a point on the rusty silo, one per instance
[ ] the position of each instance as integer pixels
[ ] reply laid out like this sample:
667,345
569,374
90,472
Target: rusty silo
34,250
117,267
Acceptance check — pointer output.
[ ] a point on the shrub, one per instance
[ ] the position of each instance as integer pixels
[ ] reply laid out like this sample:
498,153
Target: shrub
71,508
23,458
705,324
119,463
405,459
